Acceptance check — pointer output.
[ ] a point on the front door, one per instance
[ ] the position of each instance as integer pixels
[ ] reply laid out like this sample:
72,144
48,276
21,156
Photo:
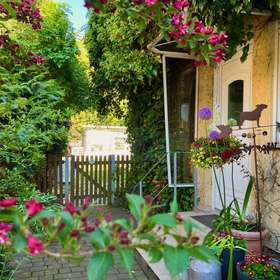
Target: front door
233,95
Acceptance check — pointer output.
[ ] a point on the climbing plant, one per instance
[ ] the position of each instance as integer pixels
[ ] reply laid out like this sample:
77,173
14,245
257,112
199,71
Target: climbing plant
210,30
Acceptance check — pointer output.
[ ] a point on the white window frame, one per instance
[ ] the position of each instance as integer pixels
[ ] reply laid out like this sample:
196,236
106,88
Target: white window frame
166,119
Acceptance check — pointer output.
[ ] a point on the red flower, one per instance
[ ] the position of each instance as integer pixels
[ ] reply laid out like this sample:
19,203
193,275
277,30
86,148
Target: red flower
70,208
108,217
33,207
225,155
8,202
75,233
89,228
35,246
88,5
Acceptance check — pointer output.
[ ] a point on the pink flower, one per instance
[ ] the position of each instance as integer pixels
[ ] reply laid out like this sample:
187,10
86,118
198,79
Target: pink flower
214,39
89,228
5,227
108,217
97,222
70,208
199,27
4,239
217,59
87,202
88,5
33,207
183,28
8,202
35,246
180,4
177,18
150,3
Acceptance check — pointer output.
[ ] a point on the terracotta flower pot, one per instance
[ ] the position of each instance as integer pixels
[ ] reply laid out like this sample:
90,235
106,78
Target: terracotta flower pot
253,239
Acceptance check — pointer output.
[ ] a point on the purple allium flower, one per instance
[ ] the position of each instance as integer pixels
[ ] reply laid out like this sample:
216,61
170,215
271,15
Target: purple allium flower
205,113
214,135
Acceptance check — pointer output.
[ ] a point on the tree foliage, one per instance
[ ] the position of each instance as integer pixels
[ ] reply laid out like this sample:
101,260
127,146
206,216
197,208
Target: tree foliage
37,99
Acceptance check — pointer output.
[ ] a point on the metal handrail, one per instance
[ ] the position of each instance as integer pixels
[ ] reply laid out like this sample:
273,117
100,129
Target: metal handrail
140,183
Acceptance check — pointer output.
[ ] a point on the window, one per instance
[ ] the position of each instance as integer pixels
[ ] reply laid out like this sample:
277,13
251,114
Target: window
235,99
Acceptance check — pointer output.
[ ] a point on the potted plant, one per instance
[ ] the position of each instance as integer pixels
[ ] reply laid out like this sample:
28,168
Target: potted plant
227,248
214,151
258,268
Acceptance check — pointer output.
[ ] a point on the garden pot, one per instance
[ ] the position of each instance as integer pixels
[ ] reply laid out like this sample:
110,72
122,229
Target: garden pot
200,270
252,238
238,256
243,276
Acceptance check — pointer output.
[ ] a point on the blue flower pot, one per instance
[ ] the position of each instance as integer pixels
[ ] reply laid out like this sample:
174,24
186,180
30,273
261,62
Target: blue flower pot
238,256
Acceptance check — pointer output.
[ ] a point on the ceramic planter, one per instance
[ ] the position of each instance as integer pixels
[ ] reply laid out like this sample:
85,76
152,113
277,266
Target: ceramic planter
238,256
252,238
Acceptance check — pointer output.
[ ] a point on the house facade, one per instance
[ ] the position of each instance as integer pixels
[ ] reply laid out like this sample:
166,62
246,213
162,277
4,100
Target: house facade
228,89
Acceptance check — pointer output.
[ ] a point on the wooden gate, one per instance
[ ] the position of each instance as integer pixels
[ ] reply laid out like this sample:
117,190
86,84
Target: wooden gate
76,177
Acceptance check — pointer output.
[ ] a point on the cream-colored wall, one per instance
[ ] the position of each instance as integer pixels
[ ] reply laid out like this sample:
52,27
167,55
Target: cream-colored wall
205,99
264,60
263,79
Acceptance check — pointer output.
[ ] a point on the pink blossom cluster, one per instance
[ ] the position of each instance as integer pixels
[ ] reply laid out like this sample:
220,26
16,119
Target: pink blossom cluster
189,32
25,11
4,230
35,58
35,246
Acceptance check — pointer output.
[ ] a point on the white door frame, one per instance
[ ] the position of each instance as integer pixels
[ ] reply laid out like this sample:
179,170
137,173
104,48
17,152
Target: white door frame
221,100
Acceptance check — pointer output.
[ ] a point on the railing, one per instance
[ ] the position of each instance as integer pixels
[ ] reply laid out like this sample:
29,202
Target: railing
172,180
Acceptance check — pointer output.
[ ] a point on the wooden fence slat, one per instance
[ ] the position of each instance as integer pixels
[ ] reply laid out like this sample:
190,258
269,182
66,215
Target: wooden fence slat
104,181
72,179
50,169
100,179
95,177
126,171
109,193
77,188
91,177
88,176
55,169
118,175
61,194
122,174
82,185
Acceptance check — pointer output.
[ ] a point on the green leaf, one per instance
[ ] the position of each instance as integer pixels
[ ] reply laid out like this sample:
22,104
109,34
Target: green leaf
155,255
10,10
135,203
124,223
176,259
47,213
98,238
174,206
202,252
99,265
247,196
66,216
127,258
164,220
19,242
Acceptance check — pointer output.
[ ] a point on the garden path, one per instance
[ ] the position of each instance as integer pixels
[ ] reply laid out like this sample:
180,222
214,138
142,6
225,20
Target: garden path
46,268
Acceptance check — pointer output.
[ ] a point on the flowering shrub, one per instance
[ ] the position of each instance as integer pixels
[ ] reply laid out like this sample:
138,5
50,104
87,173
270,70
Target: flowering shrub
177,21
71,226
23,10
260,268
214,150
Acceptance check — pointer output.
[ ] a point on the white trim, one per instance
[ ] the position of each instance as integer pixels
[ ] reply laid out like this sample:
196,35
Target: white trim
166,120
169,172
